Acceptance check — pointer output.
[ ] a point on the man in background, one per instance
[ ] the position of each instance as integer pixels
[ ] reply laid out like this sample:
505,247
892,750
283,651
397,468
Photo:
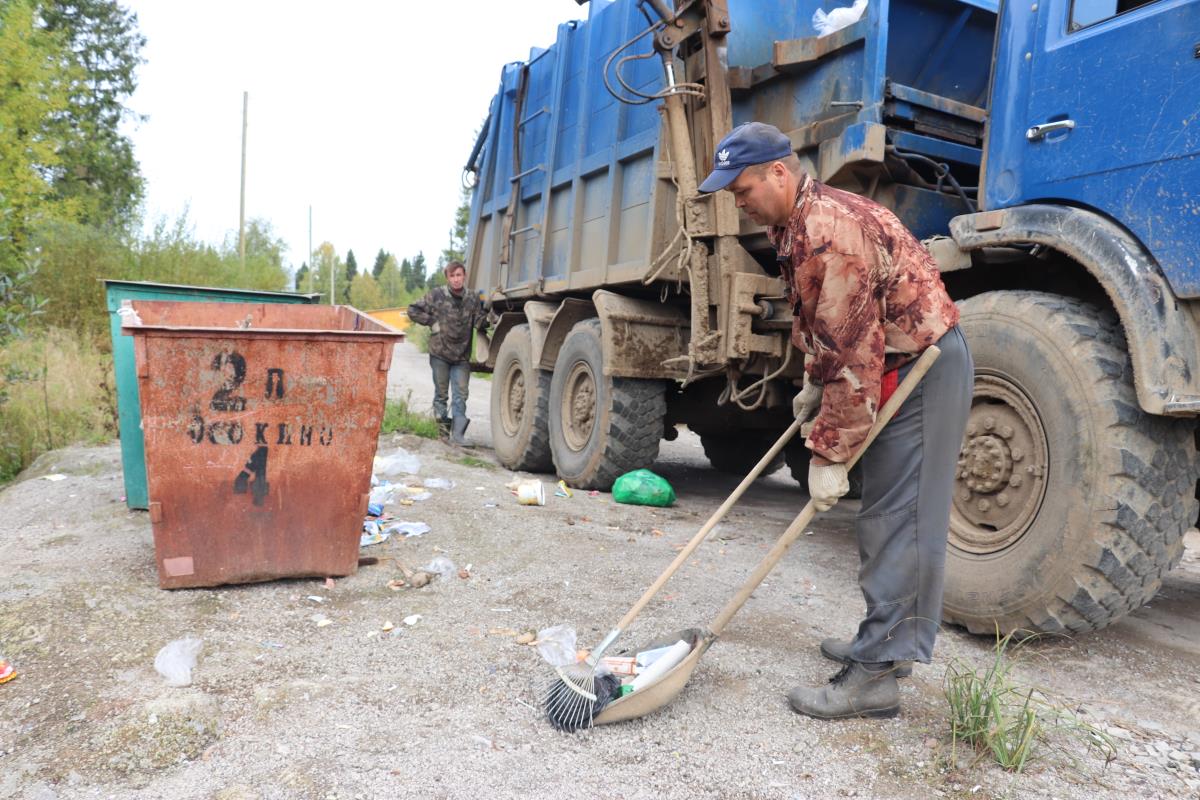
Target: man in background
453,314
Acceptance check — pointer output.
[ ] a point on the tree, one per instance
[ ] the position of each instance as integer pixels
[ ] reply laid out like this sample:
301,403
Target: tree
34,92
302,278
351,272
457,249
380,259
419,269
391,283
365,294
101,50
325,263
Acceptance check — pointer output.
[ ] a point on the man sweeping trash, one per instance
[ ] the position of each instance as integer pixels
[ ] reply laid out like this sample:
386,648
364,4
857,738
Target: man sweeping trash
453,313
867,300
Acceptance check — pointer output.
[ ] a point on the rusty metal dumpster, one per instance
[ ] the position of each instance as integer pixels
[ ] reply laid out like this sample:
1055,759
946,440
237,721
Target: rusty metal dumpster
260,423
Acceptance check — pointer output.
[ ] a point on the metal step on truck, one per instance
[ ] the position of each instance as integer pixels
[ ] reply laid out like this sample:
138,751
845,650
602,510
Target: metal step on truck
1046,151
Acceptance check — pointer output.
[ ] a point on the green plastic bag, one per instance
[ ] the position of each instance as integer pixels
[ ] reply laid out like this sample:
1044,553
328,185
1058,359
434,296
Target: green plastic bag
643,488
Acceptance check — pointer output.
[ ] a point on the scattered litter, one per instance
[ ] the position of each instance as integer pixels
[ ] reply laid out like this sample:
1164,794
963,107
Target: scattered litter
387,626
316,598
177,659
643,488
412,620
464,573
594,493
407,529
526,638
808,533
7,671
375,509
479,488
531,493
557,645
321,620
372,534
58,476
381,495
564,490
395,586
676,653
440,565
273,645
827,22
437,483
482,740
397,463
329,583
129,317
491,505
419,496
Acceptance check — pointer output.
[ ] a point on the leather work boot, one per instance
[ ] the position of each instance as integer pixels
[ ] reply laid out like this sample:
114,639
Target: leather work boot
457,429
858,690
839,650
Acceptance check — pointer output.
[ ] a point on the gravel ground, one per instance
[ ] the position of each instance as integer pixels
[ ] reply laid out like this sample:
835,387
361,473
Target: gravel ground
284,705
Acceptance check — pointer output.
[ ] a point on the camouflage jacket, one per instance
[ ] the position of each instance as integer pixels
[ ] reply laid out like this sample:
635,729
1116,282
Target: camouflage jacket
866,298
453,319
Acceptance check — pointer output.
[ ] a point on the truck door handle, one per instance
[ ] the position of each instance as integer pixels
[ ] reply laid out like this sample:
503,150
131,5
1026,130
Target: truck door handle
1038,131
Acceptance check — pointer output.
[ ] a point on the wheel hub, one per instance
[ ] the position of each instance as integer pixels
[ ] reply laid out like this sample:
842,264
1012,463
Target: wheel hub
514,402
1000,479
579,406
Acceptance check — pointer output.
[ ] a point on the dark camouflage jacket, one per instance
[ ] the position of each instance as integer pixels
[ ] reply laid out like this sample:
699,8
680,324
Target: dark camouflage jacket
453,319
866,298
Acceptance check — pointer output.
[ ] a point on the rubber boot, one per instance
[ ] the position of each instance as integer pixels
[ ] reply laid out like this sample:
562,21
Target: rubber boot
458,428
839,650
858,690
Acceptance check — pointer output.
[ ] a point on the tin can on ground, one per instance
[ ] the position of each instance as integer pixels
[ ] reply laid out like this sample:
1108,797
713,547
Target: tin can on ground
260,423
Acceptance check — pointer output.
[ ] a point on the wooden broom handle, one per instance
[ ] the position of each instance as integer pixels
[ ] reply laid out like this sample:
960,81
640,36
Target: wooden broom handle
701,534
806,515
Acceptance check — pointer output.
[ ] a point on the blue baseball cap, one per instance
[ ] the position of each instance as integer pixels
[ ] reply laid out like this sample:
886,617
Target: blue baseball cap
746,145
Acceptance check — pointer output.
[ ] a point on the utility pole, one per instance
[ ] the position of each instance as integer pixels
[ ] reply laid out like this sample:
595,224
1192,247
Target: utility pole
242,210
312,266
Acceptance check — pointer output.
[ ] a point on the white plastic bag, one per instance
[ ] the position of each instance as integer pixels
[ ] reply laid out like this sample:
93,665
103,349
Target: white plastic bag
438,483
407,529
557,645
833,21
441,566
177,659
399,462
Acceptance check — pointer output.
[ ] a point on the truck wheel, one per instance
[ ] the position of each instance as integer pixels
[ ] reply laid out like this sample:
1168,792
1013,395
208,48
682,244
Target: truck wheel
797,456
600,426
1070,503
737,454
520,396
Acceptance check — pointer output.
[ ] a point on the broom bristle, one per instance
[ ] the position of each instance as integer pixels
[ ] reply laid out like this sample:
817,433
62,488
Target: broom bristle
577,695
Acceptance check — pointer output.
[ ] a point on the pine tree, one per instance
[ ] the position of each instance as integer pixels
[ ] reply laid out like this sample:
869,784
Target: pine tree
302,278
351,273
380,259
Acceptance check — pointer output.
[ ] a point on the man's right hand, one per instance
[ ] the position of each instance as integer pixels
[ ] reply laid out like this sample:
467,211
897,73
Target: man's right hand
808,402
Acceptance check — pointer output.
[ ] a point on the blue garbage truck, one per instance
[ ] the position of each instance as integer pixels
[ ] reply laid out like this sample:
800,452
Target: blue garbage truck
1047,152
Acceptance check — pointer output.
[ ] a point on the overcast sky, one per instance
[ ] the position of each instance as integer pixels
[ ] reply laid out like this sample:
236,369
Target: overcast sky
365,110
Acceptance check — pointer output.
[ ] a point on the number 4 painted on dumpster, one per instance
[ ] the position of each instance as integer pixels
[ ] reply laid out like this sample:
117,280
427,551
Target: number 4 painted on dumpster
253,477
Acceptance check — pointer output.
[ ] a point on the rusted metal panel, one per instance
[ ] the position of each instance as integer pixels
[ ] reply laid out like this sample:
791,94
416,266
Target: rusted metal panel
261,422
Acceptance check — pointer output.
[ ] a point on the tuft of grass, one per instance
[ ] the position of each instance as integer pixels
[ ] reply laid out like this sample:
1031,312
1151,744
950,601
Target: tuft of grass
472,461
56,388
398,417
1010,723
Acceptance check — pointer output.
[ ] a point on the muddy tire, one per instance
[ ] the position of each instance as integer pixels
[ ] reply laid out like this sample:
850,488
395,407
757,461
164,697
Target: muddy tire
600,426
797,456
738,453
1070,502
520,398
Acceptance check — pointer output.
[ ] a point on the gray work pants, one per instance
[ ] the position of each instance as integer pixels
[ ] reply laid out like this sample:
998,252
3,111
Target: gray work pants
908,485
446,376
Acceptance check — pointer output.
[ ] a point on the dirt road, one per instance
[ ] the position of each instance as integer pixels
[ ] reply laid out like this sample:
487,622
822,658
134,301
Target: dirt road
301,698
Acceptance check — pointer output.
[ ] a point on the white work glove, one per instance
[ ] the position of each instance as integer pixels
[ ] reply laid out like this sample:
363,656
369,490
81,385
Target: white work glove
807,403
827,484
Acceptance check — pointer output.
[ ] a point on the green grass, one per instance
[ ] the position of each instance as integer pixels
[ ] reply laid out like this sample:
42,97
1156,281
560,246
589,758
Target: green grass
1006,722
399,418
56,388
472,461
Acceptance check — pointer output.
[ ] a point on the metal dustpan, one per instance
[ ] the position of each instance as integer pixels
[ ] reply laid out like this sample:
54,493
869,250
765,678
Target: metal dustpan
653,697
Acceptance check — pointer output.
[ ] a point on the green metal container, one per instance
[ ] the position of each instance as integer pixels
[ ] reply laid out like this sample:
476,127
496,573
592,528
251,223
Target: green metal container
129,409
